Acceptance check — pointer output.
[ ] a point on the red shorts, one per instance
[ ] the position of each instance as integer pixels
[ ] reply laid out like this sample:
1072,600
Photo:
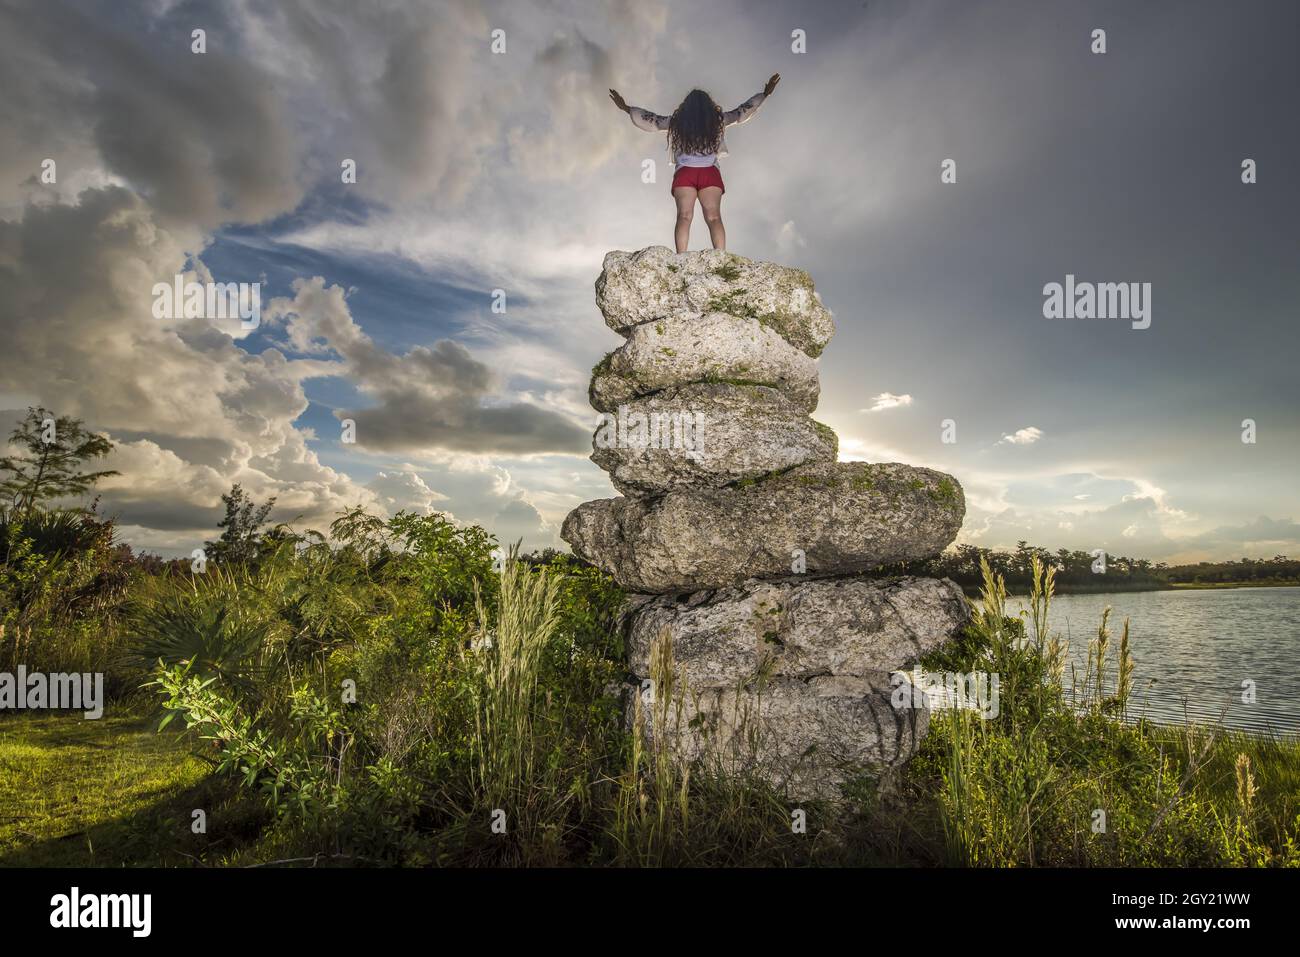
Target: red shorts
698,177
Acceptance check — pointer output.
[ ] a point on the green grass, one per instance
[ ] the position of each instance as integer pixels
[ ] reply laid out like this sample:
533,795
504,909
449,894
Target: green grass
112,792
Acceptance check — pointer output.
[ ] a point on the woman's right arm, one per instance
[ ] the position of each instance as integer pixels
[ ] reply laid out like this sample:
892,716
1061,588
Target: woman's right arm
641,119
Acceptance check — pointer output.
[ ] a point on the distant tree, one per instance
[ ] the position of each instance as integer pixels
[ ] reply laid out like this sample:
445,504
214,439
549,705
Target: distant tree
241,528
1020,563
56,450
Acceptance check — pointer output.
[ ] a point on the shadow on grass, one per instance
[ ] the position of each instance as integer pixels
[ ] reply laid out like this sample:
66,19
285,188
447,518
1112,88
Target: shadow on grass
113,793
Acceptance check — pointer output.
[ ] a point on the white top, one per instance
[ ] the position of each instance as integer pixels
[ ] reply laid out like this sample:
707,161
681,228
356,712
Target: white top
654,122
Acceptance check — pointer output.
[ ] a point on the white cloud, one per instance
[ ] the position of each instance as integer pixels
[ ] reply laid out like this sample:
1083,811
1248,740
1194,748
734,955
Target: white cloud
520,520
1145,489
888,400
405,491
1026,436
853,449
788,238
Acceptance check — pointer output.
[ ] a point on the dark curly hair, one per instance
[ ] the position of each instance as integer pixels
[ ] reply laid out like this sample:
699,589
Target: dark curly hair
696,125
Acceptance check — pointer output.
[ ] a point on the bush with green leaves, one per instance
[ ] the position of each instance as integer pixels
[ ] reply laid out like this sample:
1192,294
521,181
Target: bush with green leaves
473,688
63,584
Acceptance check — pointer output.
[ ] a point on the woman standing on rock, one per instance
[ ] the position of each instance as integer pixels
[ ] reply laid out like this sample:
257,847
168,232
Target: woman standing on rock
696,140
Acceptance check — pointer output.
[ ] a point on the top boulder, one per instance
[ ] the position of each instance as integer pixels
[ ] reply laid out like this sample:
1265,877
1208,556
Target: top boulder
656,283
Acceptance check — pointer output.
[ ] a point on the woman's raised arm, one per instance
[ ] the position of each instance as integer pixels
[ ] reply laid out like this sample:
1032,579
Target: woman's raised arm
641,119
747,109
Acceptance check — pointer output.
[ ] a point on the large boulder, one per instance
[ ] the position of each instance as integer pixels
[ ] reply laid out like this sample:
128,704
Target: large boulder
656,283
798,629
706,435
806,736
834,518
716,348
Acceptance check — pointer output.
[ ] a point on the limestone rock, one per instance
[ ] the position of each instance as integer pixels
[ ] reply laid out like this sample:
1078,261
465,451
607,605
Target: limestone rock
656,283
808,736
707,435
683,350
845,517
737,530
799,629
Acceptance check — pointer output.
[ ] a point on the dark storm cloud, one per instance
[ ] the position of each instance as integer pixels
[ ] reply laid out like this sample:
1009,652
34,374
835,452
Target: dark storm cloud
448,411
203,136
1263,529
1121,167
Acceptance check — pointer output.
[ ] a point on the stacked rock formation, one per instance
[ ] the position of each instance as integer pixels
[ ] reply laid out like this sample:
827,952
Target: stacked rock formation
740,534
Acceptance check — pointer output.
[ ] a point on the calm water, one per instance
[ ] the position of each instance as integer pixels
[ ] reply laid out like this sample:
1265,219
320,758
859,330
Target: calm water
1193,649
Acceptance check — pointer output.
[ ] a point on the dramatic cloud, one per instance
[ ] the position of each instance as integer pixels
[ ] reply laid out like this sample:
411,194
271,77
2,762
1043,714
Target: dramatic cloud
426,398
1257,536
480,170
203,136
405,490
519,521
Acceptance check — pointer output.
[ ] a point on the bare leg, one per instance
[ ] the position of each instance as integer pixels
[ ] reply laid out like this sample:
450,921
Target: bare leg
711,203
684,196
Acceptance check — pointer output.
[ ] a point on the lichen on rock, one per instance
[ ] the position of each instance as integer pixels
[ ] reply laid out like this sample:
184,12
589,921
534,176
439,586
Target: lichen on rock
844,517
655,283
733,434
712,348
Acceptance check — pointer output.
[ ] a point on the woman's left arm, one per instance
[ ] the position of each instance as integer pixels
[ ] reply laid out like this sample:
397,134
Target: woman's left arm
747,109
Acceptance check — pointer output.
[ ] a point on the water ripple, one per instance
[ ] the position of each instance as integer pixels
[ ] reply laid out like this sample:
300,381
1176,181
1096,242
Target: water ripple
1197,653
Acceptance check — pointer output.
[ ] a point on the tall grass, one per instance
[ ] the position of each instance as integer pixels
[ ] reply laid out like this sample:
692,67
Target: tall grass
513,777
652,811
1063,779
63,581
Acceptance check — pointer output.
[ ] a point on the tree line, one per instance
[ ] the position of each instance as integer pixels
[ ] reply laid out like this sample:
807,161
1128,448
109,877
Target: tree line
1081,570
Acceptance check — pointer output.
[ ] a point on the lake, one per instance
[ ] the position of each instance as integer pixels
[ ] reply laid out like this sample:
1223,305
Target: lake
1193,649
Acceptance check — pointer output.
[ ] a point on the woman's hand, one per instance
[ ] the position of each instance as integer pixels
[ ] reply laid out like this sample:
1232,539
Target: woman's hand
618,100
768,87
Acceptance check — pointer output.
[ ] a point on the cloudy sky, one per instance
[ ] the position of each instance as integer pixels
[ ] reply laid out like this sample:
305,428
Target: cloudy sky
480,171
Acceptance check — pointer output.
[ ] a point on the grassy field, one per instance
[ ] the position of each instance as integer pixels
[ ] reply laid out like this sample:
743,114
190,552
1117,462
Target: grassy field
109,793
115,792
